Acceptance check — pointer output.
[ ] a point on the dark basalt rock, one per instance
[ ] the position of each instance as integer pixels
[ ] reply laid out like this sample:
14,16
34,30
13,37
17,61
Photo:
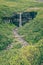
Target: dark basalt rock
25,17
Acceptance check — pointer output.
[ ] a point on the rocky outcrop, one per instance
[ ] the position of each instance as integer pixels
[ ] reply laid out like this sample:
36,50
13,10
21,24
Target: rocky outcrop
15,18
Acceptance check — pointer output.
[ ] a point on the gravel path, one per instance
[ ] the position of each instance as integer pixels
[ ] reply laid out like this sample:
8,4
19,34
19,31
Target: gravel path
19,39
39,0
41,63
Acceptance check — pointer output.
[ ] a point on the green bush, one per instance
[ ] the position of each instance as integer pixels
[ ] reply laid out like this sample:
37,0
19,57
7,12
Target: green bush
6,35
33,31
40,46
29,55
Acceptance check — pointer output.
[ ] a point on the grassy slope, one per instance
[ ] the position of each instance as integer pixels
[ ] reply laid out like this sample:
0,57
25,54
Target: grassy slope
33,31
30,55
20,5
6,35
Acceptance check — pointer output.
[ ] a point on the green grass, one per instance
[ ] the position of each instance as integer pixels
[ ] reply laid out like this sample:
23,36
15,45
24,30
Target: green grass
20,5
27,56
32,32
6,35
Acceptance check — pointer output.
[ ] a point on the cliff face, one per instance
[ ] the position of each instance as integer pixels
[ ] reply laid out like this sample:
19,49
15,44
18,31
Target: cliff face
25,17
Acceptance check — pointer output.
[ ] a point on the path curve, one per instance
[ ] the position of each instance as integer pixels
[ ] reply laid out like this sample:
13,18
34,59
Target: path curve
19,39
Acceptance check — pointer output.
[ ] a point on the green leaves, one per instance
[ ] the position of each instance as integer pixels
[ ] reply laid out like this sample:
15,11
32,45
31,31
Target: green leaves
33,31
6,35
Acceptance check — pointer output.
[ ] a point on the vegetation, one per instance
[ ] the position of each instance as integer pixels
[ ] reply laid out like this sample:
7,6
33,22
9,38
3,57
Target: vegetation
29,55
6,35
32,32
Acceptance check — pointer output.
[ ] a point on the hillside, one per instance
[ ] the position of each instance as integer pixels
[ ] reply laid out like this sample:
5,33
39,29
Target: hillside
13,50
33,31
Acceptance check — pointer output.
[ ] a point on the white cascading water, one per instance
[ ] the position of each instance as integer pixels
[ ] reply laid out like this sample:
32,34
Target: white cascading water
20,21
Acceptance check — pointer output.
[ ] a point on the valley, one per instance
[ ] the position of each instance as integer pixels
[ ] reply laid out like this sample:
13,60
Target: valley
21,32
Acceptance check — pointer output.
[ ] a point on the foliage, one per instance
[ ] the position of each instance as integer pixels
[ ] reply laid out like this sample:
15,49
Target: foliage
6,35
33,31
29,55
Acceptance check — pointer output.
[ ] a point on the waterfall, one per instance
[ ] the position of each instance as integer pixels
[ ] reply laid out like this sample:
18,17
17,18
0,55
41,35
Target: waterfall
20,20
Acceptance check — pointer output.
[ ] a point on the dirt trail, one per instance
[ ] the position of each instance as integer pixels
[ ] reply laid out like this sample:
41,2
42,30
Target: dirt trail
19,39
39,0
41,63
